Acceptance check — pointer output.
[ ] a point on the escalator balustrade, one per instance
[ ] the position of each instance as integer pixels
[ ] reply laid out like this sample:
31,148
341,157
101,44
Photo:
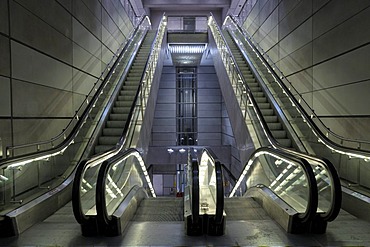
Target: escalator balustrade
115,124
267,110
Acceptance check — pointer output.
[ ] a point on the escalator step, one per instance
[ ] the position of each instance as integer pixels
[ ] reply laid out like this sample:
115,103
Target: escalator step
285,142
255,89
267,112
112,131
121,110
271,119
279,134
109,140
261,99
118,117
121,103
130,87
275,126
124,97
115,124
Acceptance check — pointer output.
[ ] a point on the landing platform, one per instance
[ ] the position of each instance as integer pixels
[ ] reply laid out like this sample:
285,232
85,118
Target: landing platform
61,229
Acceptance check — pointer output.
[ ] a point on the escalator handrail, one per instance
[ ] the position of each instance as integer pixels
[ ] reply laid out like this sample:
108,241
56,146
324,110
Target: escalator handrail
195,192
219,185
313,126
220,194
103,170
81,120
336,195
335,181
101,210
312,204
76,193
98,158
123,138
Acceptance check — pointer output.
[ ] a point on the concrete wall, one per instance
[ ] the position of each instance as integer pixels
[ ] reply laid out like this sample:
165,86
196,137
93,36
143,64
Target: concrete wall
52,53
323,48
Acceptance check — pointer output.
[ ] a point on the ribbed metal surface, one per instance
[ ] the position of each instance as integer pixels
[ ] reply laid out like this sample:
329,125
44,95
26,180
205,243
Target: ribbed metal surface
160,209
242,208
117,118
268,113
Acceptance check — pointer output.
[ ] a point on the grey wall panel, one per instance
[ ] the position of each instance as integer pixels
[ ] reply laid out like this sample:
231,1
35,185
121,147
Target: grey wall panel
297,60
165,122
166,98
84,38
27,130
334,13
302,81
78,100
318,4
209,107
273,50
84,61
47,11
5,134
66,4
5,109
5,56
163,136
354,127
164,128
4,17
109,43
337,41
106,57
268,30
296,39
336,101
94,7
39,35
286,8
164,114
82,82
112,29
90,20
32,66
348,68
167,107
56,52
32,100
322,46
216,128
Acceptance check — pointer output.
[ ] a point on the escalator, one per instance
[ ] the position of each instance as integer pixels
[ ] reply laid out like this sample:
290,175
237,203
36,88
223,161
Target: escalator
112,131
124,196
271,129
269,113
106,122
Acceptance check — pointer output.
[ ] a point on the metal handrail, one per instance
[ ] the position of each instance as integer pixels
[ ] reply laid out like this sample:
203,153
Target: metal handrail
102,213
312,203
68,140
219,185
324,138
335,181
111,153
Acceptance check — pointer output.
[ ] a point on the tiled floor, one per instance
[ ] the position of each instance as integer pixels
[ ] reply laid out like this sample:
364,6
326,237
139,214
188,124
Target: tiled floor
61,229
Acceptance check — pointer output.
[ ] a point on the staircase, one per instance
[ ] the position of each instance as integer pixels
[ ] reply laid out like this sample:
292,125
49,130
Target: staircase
160,209
268,112
118,115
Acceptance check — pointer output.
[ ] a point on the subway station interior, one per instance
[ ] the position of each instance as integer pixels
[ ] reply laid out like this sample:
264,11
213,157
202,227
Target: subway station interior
184,123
